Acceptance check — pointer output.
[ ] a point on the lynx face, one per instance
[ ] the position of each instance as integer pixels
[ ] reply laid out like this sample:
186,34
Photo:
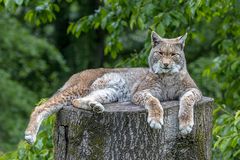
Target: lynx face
167,55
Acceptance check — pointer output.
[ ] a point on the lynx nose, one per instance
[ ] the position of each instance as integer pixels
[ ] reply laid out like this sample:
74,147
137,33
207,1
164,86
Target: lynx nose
165,64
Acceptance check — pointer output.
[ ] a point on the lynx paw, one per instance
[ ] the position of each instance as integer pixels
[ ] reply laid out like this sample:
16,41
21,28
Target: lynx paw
185,128
155,123
80,103
30,138
88,105
76,103
96,107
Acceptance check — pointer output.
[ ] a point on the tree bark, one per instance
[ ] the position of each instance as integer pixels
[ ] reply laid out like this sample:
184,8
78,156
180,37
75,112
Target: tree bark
122,133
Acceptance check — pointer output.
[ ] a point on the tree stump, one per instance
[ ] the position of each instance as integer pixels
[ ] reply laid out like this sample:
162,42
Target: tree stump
122,133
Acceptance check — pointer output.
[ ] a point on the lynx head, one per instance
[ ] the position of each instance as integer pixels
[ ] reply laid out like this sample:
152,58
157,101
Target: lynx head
167,55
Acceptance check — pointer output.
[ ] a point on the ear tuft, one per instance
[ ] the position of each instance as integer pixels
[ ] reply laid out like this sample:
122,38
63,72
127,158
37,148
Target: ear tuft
155,38
182,39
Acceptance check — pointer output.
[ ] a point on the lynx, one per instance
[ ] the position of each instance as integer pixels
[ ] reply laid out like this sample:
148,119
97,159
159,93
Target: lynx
166,79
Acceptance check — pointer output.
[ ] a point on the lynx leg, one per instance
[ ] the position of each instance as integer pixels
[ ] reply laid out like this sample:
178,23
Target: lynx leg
152,104
186,117
95,99
38,115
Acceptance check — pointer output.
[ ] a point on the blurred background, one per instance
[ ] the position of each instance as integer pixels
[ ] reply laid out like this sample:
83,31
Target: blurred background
43,42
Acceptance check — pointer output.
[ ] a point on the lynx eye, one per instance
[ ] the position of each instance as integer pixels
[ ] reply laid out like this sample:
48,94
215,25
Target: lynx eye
173,54
161,53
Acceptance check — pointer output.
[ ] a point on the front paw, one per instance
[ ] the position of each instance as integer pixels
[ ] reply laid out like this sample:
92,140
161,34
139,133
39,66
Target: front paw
88,104
155,123
81,103
76,103
96,107
186,127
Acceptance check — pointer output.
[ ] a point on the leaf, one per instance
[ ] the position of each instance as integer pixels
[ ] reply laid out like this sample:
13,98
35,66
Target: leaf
104,22
167,19
237,154
237,115
10,5
217,129
160,29
96,25
10,156
114,54
132,21
19,2
206,72
56,7
157,19
44,152
38,22
235,141
29,16
42,100
224,144
70,27
235,65
140,23
216,144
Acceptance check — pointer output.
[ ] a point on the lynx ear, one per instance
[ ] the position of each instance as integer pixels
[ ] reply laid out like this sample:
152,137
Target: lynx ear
156,39
182,40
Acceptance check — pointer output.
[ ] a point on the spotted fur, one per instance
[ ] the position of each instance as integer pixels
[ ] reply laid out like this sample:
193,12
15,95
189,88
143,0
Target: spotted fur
165,79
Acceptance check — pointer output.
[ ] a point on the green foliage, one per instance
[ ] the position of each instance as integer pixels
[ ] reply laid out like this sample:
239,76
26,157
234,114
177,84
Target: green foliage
28,56
117,17
25,76
43,12
227,131
42,148
17,108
